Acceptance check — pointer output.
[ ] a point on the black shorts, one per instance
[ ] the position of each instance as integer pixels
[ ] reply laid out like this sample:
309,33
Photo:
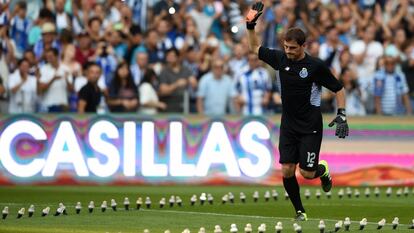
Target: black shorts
300,148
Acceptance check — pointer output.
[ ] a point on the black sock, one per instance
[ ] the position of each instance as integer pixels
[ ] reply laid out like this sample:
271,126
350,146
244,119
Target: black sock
319,172
292,188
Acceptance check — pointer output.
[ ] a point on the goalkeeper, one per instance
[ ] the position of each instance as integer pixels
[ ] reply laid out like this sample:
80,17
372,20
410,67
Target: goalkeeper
301,78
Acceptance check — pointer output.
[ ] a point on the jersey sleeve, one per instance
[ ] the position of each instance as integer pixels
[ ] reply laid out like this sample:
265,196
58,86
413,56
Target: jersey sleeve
326,79
273,57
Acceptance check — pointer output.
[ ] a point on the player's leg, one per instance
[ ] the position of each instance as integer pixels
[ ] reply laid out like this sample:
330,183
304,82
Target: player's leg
309,164
289,158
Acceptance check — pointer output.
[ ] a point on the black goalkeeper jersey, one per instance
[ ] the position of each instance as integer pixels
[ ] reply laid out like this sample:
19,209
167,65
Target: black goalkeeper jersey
300,85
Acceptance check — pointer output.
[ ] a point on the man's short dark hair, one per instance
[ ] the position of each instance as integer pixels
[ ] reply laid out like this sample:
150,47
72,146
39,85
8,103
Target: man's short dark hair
54,51
297,35
174,50
88,65
22,5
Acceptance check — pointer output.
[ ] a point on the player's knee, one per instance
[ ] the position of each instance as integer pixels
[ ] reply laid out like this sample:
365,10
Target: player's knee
307,174
288,170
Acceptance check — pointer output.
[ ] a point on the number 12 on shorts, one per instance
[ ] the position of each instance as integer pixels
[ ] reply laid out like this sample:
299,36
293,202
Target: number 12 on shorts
311,159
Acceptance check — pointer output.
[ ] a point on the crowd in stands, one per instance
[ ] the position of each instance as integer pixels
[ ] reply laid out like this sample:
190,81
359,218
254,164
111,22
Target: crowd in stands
191,56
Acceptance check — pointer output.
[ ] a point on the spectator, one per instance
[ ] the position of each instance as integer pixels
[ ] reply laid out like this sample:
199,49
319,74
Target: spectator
90,94
391,90
2,89
123,96
31,58
84,50
408,69
35,32
74,70
238,61
47,42
105,58
354,103
7,48
20,26
148,96
23,89
138,69
216,91
63,20
174,80
55,83
253,87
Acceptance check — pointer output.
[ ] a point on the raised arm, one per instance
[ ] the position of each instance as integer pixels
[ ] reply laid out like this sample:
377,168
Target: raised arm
251,18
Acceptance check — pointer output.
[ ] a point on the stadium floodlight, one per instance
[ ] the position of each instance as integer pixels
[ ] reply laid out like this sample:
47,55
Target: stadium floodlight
167,231
406,191
262,228
45,211
171,201
395,223
179,201
104,205
297,228
362,224
31,211
202,230
381,224
340,193
5,212
113,204
233,228
318,194
186,230
286,196
367,192
256,196
139,203
388,192
338,225
203,198
91,206
210,198
217,229
399,192
231,197
347,223
356,193
242,197
193,199
248,228
148,202
412,224
162,202
329,195
349,192
377,192
307,194
321,226
146,231
126,203
20,213
78,207
224,199
279,227
267,195
275,195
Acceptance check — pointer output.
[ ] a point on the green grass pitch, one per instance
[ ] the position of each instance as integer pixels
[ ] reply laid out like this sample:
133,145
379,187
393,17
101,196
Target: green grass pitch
176,219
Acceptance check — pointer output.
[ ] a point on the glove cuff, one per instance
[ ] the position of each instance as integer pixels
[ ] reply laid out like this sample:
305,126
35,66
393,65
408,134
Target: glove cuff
250,26
341,111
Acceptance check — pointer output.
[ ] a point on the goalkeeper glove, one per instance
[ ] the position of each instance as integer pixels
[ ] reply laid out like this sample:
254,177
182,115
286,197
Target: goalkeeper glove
253,15
342,128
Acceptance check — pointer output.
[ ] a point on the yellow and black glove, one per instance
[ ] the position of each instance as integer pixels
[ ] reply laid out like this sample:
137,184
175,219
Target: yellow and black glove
253,15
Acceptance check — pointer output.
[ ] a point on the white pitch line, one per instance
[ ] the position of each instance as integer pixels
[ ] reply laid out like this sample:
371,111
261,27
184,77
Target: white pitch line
253,216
